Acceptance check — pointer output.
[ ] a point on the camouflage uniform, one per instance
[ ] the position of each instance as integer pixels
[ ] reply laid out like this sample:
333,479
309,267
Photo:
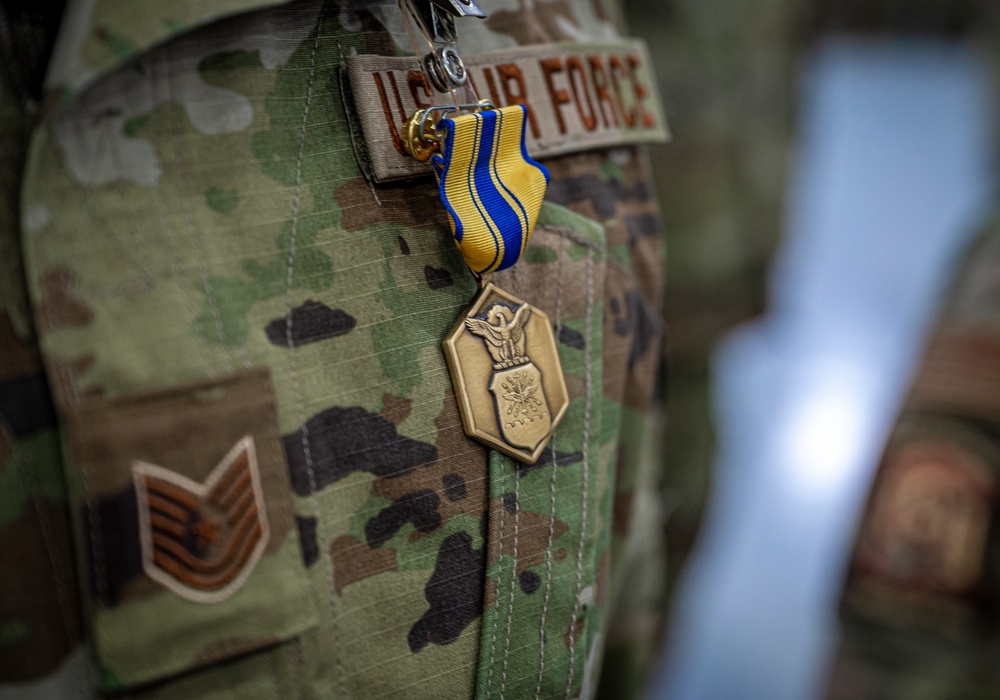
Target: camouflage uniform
206,263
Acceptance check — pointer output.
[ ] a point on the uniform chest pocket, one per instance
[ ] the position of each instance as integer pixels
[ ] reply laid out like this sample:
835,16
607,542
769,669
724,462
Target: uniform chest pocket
186,526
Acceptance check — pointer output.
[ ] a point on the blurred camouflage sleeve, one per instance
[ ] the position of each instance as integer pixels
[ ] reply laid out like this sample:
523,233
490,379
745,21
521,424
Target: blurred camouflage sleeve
40,624
918,608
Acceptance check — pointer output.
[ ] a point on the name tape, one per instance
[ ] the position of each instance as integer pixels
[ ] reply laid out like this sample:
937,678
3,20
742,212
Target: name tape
580,96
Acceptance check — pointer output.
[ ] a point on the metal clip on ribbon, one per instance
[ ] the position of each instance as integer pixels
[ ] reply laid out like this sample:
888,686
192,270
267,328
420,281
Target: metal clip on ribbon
436,19
421,137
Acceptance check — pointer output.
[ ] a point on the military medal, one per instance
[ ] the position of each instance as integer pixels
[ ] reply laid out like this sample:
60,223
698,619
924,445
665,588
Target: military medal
502,352
505,368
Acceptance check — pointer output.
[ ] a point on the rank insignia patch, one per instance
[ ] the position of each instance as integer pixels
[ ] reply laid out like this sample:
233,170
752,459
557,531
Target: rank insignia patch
202,540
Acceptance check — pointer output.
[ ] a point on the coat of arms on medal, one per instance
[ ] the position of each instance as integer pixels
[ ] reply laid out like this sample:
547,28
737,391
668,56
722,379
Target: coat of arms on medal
508,379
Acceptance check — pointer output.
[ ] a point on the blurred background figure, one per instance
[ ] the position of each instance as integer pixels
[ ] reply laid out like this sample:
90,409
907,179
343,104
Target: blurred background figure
861,135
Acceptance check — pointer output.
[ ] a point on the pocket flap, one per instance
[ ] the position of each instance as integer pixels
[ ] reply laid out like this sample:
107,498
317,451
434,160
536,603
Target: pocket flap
187,526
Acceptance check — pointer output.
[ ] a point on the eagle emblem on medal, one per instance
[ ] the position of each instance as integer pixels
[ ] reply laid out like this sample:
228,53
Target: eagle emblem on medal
522,411
508,379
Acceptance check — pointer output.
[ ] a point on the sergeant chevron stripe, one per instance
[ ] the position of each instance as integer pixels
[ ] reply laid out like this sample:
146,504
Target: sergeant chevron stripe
202,540
490,186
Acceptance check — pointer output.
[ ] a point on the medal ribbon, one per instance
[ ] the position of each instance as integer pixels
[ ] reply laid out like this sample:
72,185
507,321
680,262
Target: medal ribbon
491,188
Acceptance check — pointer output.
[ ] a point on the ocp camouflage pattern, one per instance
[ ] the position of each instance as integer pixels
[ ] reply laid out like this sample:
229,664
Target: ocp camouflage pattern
206,263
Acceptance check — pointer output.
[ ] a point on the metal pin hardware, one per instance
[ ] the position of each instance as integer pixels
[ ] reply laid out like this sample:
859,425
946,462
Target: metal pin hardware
420,136
435,19
443,67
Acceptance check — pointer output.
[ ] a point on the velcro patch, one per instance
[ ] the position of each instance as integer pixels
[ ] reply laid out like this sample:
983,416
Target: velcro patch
921,558
202,540
580,96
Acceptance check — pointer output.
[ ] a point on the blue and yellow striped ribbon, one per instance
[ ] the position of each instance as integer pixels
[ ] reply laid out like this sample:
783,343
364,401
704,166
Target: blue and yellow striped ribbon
490,186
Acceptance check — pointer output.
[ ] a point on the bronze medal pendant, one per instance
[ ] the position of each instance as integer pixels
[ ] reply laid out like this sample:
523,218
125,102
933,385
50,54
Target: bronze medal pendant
507,375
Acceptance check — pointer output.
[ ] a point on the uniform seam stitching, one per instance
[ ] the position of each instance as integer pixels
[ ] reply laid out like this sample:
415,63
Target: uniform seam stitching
513,571
513,575
293,368
271,437
496,614
586,470
552,509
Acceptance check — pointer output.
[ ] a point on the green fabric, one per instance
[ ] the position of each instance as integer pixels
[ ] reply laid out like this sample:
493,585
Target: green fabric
97,36
36,454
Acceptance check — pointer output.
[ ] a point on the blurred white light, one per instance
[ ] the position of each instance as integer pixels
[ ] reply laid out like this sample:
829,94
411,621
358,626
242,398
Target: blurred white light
824,434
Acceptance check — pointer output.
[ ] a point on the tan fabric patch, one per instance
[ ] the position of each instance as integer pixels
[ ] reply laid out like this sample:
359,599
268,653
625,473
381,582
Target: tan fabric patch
188,430
202,540
923,546
152,442
580,96
929,518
